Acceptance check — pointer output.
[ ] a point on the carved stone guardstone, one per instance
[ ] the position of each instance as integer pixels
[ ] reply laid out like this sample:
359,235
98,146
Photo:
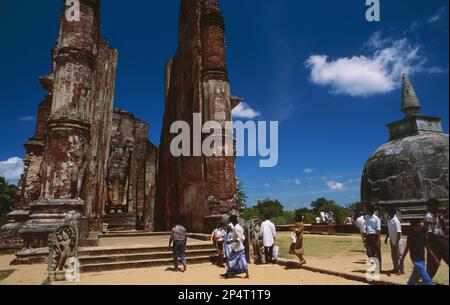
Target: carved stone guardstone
255,246
63,250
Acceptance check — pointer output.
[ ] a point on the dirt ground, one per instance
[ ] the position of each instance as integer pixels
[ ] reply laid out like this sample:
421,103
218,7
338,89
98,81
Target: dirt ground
21,275
343,254
206,274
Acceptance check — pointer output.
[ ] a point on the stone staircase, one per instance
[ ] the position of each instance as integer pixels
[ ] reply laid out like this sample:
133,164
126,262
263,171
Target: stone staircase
413,212
108,259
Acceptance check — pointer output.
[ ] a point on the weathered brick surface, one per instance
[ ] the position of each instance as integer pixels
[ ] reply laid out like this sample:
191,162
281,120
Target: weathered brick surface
196,82
131,169
84,154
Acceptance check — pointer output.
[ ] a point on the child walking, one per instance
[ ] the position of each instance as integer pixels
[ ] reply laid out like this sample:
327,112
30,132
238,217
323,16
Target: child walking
416,244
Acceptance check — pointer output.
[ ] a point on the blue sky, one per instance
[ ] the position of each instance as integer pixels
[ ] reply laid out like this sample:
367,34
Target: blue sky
318,67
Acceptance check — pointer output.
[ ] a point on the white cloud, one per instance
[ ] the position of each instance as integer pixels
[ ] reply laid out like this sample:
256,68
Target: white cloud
335,186
295,181
365,76
308,171
438,16
350,181
244,111
26,118
11,169
430,21
267,185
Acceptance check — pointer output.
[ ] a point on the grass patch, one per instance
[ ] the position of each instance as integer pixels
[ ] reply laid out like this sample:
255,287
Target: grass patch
320,246
5,273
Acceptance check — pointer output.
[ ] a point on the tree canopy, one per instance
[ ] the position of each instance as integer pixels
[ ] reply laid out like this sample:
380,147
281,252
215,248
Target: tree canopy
7,199
274,209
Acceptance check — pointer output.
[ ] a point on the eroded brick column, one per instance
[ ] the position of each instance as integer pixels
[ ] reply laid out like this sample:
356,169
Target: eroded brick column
219,169
68,127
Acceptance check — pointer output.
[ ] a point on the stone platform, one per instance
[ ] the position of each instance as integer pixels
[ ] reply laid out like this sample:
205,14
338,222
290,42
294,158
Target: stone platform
129,250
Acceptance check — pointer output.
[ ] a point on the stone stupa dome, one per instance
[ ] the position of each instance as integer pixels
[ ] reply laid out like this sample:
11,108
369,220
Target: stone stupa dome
413,166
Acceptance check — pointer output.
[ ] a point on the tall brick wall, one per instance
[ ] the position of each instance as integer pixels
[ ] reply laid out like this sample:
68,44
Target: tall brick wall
196,82
101,130
130,172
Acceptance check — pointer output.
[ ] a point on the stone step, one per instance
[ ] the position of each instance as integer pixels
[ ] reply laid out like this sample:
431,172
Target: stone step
416,212
142,264
137,250
88,260
115,234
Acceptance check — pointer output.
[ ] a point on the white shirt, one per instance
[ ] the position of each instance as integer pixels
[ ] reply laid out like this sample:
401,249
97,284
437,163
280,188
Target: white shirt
322,215
318,219
238,234
394,227
433,224
361,224
268,233
373,224
220,234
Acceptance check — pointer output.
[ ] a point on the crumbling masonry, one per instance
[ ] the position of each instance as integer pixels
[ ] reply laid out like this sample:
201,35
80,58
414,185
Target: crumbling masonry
85,156
89,158
200,189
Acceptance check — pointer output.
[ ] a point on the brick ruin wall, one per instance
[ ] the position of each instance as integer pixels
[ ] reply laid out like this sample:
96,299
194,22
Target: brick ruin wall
69,157
196,82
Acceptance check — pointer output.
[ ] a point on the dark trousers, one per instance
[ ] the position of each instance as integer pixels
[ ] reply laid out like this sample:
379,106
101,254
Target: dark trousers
179,252
439,246
268,253
373,247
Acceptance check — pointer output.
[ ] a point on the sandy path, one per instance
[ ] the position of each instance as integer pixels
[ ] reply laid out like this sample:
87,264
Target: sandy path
23,275
206,274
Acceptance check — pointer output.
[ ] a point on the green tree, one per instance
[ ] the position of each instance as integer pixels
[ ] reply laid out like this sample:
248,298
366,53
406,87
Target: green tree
242,196
308,214
353,207
287,218
251,213
270,208
323,204
7,199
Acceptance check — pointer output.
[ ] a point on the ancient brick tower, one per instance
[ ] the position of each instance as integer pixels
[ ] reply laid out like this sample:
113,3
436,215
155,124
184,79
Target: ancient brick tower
85,156
198,188
67,146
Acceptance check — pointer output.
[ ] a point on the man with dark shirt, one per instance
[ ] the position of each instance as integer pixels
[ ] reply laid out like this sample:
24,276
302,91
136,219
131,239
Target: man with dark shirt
437,235
416,244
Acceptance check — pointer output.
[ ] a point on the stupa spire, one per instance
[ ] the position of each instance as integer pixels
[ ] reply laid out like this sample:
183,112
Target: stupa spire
410,102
